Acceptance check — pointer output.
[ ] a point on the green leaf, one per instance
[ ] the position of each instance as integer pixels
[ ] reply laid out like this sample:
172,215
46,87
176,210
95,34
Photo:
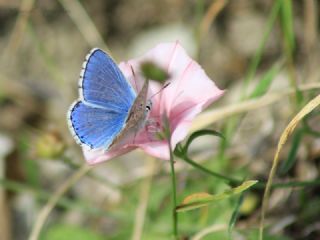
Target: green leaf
254,63
198,200
200,133
289,162
235,214
178,151
266,81
287,24
67,232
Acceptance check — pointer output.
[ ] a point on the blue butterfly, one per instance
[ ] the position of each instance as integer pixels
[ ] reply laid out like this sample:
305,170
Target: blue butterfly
109,111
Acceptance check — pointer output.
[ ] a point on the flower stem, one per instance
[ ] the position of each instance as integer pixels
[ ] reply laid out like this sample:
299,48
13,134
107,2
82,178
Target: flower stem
259,185
217,175
174,192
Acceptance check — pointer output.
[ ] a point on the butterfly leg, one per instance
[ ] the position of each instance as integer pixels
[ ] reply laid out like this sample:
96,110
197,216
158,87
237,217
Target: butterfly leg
152,127
134,137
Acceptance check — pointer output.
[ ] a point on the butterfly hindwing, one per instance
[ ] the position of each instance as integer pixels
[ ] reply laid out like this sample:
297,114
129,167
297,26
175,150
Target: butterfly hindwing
93,126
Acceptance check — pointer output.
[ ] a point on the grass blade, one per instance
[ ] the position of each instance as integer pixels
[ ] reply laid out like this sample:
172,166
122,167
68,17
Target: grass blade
235,214
265,81
289,162
258,55
287,24
283,139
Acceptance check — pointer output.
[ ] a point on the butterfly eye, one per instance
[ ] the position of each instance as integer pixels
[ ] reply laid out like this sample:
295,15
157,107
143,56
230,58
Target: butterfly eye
148,106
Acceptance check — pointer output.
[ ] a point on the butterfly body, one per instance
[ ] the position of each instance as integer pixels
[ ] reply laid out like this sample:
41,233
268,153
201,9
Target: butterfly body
109,110
137,116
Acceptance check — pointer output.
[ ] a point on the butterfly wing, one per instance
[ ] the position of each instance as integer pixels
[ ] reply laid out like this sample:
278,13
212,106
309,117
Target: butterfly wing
93,126
105,101
102,83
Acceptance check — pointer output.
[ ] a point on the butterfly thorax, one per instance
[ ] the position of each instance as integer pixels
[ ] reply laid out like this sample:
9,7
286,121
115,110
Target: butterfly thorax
136,118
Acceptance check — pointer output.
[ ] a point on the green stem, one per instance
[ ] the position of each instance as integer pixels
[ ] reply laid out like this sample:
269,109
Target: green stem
231,125
260,185
258,55
230,180
174,192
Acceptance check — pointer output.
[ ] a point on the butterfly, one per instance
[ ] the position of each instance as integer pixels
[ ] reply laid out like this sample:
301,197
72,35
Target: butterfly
108,111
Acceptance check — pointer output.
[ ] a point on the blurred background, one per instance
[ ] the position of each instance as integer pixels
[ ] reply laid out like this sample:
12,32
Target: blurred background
256,50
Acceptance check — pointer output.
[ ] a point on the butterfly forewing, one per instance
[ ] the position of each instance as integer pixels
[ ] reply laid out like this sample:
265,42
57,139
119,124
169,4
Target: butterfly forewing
103,84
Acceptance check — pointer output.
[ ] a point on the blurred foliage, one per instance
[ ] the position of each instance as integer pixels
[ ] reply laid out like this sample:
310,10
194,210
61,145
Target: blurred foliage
64,232
152,71
253,49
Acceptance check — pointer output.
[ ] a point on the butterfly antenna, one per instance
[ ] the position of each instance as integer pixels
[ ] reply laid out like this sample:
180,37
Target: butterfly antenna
166,85
134,77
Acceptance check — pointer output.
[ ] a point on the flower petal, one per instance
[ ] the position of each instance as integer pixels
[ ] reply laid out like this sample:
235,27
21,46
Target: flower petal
158,149
190,84
189,93
97,156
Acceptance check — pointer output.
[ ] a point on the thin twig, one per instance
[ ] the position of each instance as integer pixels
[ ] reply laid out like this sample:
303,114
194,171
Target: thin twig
213,11
84,23
5,219
206,231
143,202
19,29
212,116
45,211
63,202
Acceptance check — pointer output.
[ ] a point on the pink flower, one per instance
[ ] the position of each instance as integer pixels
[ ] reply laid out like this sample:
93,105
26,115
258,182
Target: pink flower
189,92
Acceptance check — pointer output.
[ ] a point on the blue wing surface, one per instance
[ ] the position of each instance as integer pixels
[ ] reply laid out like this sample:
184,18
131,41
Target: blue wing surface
103,84
106,98
93,126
